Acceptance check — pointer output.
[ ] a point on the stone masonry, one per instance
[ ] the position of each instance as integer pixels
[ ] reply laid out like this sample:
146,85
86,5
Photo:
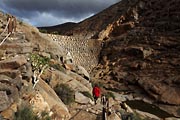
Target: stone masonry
85,52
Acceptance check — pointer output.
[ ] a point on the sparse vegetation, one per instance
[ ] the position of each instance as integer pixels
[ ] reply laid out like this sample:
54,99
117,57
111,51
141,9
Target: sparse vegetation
25,113
87,94
110,95
43,31
65,93
20,22
45,116
38,62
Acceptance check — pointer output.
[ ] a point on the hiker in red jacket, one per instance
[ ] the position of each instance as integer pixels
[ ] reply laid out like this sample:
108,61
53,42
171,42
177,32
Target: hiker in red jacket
96,93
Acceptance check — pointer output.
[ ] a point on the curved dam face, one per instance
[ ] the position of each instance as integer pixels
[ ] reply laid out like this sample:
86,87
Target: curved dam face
85,52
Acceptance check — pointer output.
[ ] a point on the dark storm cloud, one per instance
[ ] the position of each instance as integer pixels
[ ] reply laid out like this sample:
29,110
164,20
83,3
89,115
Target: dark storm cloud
57,11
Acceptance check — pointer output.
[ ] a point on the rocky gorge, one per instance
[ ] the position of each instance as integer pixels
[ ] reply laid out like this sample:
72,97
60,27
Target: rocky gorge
130,49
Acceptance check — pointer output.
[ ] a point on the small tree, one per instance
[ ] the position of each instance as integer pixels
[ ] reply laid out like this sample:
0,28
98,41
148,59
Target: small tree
39,64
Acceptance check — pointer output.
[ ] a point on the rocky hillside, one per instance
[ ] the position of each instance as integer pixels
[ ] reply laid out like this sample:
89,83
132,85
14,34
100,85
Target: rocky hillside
149,52
39,80
57,29
138,55
140,51
93,25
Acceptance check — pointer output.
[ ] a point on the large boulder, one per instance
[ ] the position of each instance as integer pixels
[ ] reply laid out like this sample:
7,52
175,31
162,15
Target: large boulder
162,92
38,104
55,77
82,71
20,48
81,79
52,99
80,98
13,63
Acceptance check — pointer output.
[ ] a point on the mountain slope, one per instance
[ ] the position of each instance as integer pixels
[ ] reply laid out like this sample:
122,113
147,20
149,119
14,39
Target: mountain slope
97,22
140,53
140,47
140,38
146,54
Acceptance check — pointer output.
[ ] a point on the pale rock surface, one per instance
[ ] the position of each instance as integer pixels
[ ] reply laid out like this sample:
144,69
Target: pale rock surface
52,99
38,104
57,77
13,63
82,71
79,78
80,98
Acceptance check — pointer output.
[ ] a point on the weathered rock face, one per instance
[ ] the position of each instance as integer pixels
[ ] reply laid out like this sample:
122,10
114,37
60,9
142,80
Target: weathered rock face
140,47
11,79
10,85
13,63
161,91
149,52
80,98
53,100
16,73
38,104
4,101
76,82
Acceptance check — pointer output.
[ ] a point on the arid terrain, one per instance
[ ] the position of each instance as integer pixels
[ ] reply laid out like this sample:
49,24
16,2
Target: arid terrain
131,50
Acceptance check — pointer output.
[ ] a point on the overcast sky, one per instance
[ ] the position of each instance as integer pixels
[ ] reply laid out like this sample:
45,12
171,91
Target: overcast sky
53,12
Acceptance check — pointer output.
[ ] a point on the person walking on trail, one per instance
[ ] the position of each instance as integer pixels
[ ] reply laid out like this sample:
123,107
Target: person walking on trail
96,93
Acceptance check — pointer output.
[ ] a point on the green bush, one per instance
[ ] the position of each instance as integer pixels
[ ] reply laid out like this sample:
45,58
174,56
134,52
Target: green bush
38,62
110,95
25,113
87,94
20,22
43,31
65,93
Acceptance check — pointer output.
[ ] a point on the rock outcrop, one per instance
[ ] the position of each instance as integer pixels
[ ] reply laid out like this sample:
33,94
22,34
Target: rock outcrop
131,47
